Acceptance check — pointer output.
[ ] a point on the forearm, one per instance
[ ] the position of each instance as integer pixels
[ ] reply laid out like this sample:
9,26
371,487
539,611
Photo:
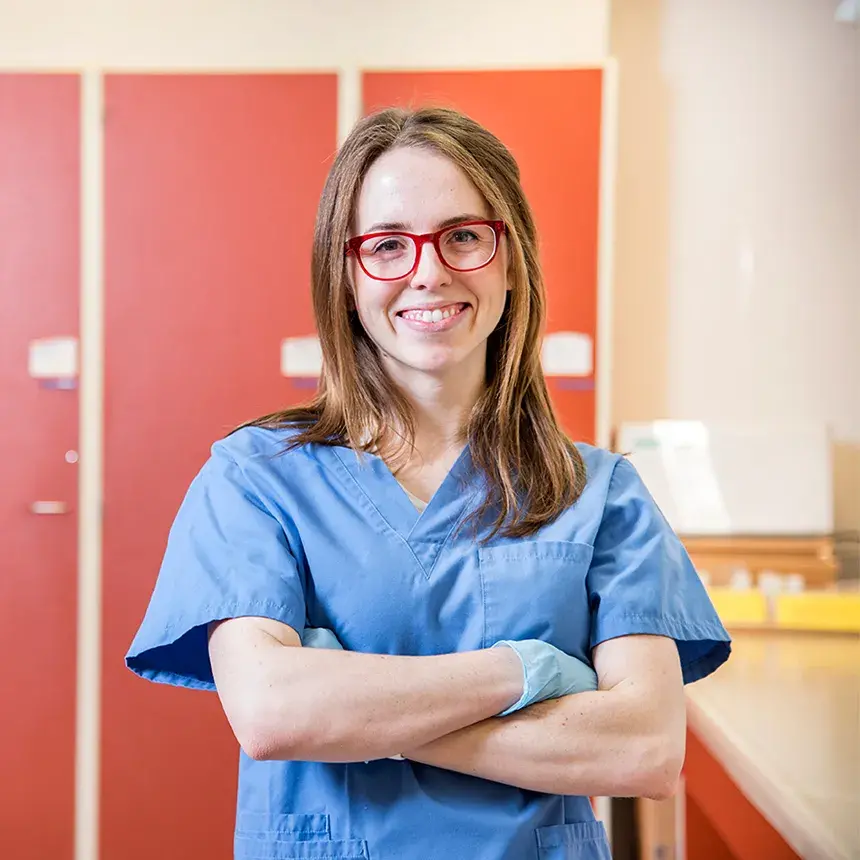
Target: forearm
319,705
604,743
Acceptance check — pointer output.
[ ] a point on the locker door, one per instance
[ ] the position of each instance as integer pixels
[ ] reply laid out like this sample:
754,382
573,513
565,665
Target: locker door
551,122
211,186
39,289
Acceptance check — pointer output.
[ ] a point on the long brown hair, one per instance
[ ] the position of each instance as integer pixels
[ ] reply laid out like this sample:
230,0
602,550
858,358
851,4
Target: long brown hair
533,470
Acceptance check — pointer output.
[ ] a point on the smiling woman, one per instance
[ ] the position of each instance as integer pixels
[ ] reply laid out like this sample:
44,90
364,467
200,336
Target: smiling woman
432,636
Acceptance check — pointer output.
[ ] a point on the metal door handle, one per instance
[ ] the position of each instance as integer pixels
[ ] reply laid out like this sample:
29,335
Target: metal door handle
49,508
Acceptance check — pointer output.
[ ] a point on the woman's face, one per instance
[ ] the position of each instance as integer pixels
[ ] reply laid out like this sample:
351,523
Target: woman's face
418,191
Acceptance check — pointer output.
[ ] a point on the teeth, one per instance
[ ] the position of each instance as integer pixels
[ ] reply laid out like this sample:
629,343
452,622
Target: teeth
429,316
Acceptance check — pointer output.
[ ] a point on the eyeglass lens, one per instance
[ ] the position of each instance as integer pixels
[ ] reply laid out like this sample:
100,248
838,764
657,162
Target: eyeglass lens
463,248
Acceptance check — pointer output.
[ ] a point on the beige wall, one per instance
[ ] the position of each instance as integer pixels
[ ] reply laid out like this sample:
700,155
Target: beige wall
299,33
737,289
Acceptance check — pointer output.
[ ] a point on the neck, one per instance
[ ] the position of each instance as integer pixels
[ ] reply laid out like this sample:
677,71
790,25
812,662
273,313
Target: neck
441,405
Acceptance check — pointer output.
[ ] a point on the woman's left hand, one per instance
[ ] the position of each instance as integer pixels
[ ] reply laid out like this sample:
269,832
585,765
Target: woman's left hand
320,637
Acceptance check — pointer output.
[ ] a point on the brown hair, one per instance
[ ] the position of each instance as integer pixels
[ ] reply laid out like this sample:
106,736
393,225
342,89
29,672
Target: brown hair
533,470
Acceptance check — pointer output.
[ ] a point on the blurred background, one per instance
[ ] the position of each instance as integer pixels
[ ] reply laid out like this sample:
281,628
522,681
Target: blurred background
694,166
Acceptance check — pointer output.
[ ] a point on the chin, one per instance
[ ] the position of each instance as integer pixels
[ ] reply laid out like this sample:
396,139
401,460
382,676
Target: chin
432,368
433,363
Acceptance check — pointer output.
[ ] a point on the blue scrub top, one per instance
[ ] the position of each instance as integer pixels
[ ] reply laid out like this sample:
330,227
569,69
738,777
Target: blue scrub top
318,537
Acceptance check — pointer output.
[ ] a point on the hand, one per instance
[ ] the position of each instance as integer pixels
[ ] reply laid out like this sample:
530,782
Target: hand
320,637
548,673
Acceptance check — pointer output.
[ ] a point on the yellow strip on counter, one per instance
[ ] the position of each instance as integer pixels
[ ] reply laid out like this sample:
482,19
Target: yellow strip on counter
739,607
818,611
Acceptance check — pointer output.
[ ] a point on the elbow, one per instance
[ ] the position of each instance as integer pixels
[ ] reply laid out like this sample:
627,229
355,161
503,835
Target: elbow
261,749
265,735
663,784
253,676
262,741
255,746
267,731
659,768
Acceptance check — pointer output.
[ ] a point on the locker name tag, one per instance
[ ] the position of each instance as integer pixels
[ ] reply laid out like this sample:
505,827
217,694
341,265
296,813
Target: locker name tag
54,358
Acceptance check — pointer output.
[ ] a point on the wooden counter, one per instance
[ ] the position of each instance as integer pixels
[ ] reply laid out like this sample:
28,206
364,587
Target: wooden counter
783,719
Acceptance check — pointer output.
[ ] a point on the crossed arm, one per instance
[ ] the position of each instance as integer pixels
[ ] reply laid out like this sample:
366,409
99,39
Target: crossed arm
288,702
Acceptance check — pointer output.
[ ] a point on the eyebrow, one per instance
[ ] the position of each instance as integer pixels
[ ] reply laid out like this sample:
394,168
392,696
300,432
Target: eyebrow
384,226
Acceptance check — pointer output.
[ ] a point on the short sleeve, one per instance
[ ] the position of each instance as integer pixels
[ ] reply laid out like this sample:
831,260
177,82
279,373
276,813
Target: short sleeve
227,556
642,581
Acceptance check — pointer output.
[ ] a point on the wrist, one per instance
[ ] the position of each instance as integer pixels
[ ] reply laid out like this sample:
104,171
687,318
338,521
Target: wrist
510,674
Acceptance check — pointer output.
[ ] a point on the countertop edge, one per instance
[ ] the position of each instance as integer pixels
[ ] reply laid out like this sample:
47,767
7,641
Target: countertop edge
785,811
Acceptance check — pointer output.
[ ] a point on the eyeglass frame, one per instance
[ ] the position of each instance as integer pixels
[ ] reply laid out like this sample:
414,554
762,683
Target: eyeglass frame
353,246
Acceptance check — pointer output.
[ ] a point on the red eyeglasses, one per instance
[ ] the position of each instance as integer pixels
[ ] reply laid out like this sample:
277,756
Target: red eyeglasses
393,256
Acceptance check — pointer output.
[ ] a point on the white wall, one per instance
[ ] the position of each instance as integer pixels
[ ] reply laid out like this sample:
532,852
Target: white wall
300,33
739,217
765,211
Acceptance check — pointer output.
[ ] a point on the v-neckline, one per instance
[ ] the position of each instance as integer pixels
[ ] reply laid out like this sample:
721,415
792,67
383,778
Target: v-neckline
424,532
388,495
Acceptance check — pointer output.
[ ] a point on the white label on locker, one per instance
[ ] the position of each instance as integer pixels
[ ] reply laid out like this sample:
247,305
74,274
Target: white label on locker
54,358
567,353
301,356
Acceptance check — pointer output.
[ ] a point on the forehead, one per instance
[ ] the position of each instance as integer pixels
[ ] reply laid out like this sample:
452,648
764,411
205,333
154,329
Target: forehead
417,188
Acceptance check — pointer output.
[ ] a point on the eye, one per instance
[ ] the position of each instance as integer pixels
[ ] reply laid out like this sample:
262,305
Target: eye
385,245
462,236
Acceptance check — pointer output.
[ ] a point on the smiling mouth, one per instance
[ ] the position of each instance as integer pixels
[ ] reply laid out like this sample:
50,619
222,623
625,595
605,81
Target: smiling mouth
425,315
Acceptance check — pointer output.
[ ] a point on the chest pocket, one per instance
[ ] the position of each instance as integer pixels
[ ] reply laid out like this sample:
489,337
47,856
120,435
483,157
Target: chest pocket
536,590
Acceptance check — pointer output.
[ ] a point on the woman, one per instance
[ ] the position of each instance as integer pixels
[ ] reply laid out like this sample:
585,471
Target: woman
424,508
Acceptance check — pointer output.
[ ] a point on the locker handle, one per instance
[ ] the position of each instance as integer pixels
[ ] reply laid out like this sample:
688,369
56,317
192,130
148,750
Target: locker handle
49,508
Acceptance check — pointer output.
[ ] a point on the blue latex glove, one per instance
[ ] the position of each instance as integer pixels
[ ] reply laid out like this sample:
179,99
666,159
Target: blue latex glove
548,673
320,637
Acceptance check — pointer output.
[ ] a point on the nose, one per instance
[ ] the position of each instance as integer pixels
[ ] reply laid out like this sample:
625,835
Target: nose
430,271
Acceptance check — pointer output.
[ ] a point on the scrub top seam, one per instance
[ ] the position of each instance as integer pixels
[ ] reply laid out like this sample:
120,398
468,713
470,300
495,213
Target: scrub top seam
679,629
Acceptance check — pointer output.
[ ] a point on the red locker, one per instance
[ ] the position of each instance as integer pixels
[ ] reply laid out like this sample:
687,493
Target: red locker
211,189
39,296
551,120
